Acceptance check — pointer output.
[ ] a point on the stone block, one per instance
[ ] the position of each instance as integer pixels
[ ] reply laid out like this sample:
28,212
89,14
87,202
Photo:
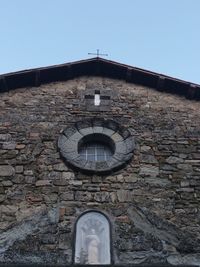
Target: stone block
68,175
124,133
90,165
111,179
120,178
149,170
43,183
76,183
145,149
61,141
51,198
20,146
7,183
117,137
120,157
5,137
195,162
34,136
108,132
31,197
101,165
174,160
123,219
97,129
2,198
196,155
161,182
121,148
184,260
83,196
68,132
76,137
60,167
19,169
185,167
102,197
71,155
60,181
69,146
185,183
185,189
96,179
131,179
54,175
30,179
28,172
6,170
130,144
8,209
149,159
80,162
61,212
2,190
124,195
9,145
86,131
64,242
168,167
113,197
67,196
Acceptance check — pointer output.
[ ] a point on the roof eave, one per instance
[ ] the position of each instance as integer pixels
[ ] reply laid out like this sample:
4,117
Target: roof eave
98,67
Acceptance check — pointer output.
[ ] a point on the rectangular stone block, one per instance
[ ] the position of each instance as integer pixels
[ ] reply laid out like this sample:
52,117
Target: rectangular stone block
19,169
43,183
9,145
6,170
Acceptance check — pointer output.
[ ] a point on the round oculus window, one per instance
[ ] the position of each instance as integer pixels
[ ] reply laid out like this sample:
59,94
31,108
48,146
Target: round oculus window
96,145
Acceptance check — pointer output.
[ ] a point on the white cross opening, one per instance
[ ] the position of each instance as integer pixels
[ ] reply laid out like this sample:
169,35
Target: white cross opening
97,98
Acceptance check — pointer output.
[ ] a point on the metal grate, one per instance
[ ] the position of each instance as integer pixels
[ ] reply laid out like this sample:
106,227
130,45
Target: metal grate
95,151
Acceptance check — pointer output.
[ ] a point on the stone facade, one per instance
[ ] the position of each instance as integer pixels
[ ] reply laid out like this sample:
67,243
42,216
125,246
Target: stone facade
152,203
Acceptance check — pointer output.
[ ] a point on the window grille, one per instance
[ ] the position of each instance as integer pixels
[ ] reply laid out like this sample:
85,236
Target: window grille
95,151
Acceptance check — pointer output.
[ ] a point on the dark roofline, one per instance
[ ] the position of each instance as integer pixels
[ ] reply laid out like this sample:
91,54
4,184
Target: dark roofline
85,265
98,67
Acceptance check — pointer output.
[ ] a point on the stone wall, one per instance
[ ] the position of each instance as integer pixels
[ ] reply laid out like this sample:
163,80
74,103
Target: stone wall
152,203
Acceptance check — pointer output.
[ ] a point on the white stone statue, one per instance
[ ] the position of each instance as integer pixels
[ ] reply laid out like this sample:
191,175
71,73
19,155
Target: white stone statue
93,247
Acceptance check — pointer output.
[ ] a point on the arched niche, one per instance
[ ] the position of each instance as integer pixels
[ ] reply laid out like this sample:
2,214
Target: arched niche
92,239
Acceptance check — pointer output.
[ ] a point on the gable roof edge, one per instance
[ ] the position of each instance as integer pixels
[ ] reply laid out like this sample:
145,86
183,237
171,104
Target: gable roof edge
98,67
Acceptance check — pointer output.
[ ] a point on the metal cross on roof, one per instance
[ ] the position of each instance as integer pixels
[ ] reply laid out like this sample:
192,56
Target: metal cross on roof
98,54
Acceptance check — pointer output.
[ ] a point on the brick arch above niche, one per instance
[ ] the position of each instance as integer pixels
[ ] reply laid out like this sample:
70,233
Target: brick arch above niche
108,132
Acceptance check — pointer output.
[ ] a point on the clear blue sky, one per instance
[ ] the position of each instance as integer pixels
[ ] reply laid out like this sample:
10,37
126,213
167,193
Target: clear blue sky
157,35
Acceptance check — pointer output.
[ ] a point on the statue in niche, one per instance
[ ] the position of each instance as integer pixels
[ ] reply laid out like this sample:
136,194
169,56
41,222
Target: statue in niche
92,239
93,248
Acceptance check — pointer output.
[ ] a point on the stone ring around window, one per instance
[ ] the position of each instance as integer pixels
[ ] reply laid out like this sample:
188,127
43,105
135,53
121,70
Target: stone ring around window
96,145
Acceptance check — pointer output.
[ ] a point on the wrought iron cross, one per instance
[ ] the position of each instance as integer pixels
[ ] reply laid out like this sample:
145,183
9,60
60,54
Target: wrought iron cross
98,54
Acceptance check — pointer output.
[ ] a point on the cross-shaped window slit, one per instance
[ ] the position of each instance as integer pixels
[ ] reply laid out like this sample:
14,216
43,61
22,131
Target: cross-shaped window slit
97,98
89,97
